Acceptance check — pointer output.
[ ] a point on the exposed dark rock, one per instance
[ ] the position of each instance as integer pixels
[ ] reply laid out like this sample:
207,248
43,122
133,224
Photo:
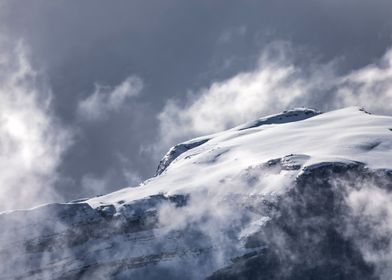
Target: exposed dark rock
306,237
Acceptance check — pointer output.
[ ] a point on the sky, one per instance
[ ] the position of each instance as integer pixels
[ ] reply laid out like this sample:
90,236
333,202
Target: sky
94,92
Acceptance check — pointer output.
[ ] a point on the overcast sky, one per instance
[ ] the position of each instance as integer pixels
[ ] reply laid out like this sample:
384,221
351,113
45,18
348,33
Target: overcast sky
93,92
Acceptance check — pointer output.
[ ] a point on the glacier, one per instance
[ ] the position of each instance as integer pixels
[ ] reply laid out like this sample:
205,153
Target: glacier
297,195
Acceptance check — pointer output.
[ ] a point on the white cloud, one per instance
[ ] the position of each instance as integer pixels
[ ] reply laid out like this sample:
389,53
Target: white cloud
372,212
370,86
31,140
105,99
275,84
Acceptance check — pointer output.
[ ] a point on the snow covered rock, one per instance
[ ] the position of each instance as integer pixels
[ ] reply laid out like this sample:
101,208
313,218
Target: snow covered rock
285,117
298,195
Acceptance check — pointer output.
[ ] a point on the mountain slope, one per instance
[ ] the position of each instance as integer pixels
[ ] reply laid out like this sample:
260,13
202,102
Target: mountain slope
291,196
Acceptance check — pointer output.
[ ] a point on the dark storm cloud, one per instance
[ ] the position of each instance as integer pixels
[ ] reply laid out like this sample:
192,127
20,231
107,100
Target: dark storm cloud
173,47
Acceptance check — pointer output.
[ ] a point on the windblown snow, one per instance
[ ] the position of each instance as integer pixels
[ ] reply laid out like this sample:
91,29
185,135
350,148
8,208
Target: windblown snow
347,135
282,197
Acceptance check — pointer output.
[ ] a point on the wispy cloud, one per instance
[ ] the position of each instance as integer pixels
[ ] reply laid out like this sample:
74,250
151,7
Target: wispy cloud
275,84
32,141
106,99
95,184
370,86
231,34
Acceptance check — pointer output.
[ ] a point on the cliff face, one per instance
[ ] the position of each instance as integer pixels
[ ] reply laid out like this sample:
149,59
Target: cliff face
299,195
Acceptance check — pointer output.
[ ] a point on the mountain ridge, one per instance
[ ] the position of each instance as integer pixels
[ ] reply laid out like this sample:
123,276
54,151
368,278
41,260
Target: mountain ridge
230,206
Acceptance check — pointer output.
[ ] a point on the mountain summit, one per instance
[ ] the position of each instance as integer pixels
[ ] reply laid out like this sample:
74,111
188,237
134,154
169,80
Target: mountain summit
299,195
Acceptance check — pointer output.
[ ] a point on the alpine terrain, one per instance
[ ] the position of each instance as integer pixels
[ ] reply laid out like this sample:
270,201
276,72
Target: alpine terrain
299,195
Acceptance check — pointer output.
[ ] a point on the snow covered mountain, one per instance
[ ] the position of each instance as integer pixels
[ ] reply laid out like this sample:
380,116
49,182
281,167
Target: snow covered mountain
299,195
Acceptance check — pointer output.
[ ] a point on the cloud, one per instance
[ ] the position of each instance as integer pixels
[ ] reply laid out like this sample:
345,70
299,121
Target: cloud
99,185
370,86
231,34
94,184
124,170
106,99
276,83
32,141
370,223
